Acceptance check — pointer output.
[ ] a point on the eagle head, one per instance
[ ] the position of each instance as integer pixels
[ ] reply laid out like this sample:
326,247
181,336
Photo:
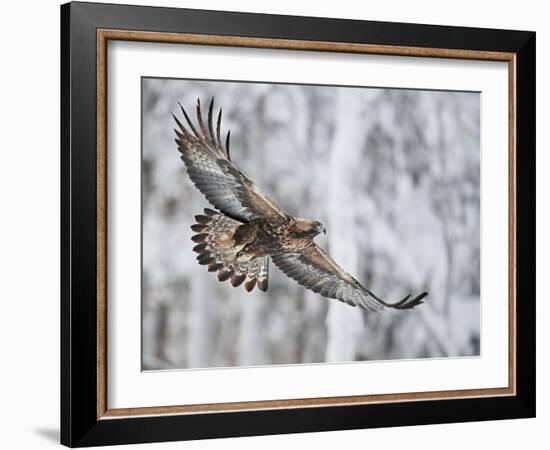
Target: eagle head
311,228
318,227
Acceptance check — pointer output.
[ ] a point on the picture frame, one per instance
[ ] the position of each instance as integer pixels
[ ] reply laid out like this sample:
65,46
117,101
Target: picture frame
86,30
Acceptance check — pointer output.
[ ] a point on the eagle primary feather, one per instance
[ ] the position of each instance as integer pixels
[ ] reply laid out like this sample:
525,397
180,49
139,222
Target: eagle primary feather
249,228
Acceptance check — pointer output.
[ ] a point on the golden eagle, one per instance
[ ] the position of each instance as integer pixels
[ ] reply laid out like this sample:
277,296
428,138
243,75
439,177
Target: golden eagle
237,240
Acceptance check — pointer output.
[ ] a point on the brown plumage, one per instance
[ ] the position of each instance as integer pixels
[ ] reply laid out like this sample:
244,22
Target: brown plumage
238,240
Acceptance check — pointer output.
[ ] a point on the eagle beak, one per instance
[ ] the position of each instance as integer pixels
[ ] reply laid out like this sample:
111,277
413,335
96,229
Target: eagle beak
319,228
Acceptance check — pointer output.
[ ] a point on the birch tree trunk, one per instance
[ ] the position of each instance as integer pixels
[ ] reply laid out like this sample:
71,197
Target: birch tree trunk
199,322
344,323
250,341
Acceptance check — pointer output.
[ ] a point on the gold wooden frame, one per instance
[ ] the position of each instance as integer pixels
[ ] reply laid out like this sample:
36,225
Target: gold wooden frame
104,35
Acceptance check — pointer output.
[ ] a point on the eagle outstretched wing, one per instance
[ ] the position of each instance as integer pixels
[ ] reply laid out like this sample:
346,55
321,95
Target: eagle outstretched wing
210,168
315,270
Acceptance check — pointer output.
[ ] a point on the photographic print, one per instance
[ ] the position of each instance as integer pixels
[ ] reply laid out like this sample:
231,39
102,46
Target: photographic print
301,224
252,214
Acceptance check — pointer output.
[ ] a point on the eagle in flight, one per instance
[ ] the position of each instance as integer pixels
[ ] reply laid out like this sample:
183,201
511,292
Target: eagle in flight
248,229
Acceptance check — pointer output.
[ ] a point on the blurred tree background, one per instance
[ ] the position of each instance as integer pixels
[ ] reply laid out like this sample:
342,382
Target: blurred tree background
393,174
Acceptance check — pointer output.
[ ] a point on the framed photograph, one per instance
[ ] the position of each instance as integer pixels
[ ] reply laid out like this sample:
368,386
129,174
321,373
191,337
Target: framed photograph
276,224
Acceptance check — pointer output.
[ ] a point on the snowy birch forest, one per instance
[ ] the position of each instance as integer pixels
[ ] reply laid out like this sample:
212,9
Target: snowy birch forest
393,174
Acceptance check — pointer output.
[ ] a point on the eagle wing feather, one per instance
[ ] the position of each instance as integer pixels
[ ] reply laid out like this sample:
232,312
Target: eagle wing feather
314,269
211,170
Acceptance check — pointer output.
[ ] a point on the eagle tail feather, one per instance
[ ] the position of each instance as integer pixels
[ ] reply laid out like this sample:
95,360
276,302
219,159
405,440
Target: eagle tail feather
216,249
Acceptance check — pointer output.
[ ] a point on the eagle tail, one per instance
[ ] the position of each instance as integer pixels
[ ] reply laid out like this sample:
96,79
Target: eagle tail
216,249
